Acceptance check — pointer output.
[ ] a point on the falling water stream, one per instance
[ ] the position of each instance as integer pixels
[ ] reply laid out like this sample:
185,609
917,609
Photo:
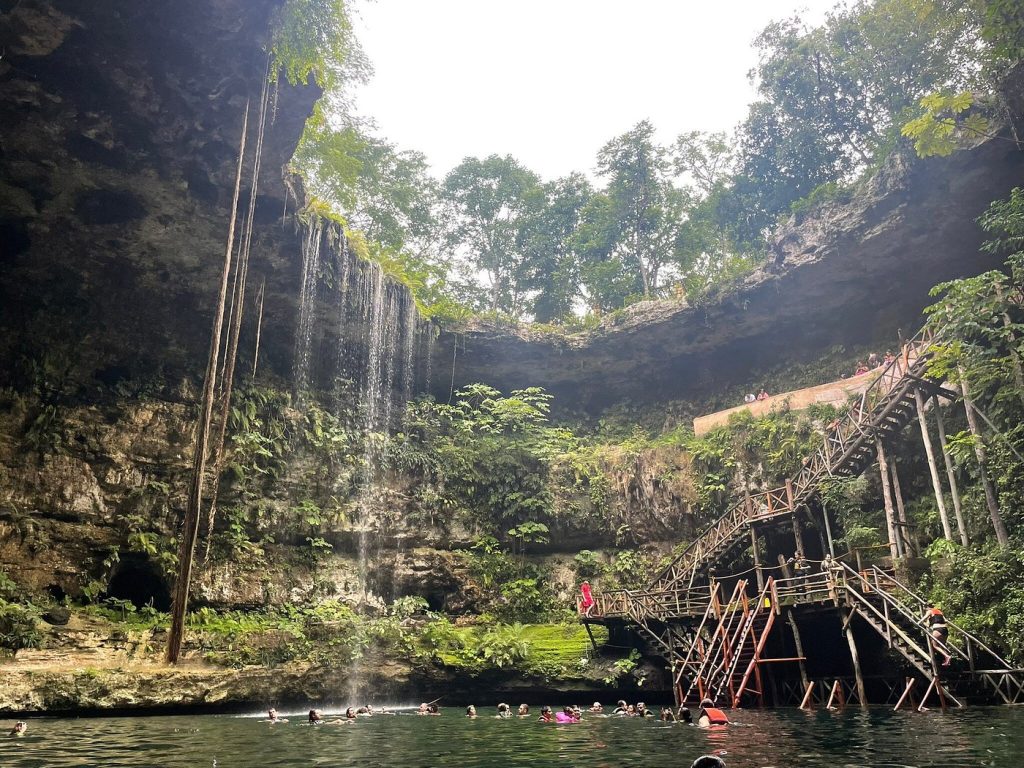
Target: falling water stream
380,360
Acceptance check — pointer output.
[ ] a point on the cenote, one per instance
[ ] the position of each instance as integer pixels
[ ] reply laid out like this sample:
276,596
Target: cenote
854,739
730,417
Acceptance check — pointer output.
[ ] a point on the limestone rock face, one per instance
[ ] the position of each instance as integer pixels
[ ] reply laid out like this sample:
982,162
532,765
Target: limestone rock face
850,272
117,164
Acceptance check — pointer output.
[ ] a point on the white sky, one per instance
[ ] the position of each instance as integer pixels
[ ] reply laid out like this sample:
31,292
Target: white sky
551,81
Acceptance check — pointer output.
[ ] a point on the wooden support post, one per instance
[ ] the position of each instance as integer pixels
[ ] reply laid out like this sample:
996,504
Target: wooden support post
855,657
828,529
757,558
883,469
909,542
979,450
933,468
950,473
799,646
924,699
836,694
805,704
797,535
911,681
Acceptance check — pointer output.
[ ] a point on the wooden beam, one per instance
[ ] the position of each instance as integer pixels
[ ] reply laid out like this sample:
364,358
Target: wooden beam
883,469
979,449
855,657
950,473
933,467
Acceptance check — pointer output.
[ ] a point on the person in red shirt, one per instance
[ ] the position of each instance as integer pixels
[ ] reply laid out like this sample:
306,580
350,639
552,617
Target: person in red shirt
586,598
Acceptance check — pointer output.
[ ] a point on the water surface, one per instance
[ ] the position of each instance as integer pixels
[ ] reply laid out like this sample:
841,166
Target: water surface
974,737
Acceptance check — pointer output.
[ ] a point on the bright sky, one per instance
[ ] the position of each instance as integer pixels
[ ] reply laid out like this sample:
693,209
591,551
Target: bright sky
551,81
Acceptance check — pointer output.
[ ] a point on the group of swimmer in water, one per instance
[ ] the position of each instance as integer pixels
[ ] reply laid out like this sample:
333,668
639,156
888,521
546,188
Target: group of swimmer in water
316,717
707,714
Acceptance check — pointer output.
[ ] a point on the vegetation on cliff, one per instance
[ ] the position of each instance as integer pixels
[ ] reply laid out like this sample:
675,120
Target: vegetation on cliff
669,221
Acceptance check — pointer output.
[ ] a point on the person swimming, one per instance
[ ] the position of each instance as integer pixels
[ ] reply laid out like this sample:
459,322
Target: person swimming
621,708
711,715
708,761
470,711
567,715
524,710
545,715
666,715
642,710
273,718
596,707
433,709
315,717
19,728
684,715
504,710
350,713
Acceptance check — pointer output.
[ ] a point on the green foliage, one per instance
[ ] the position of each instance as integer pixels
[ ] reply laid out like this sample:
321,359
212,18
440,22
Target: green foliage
18,619
623,667
18,627
314,37
587,564
941,126
834,97
505,645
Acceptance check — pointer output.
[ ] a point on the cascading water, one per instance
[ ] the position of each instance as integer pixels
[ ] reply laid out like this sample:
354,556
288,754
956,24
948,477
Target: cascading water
311,248
380,361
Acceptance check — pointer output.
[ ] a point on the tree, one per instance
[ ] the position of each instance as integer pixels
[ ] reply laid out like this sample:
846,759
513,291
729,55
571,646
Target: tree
551,266
641,201
490,199
706,159
832,99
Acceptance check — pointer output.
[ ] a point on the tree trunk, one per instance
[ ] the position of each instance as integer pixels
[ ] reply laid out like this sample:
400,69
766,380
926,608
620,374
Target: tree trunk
979,450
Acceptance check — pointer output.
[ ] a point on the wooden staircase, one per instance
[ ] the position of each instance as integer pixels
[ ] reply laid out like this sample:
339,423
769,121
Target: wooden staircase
848,448
724,660
896,613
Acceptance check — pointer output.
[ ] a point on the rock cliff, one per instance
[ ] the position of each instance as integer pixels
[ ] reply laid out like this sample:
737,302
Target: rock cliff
849,272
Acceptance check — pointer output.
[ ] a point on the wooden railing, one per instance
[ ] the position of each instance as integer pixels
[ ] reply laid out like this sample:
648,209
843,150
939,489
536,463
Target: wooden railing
843,438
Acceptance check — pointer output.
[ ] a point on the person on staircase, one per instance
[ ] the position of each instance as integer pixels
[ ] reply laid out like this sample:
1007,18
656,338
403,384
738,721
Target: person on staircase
939,631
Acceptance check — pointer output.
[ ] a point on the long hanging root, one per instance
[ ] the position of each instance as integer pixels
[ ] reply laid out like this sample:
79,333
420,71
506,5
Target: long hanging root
236,320
190,525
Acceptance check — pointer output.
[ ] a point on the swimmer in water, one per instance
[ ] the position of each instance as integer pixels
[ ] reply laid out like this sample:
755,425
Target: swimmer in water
524,710
504,711
470,711
621,708
350,714
545,715
596,707
433,709
667,716
315,717
423,709
711,715
19,728
708,761
684,715
273,718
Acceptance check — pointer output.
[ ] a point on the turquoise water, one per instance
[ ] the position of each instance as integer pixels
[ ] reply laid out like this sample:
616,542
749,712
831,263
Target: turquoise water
975,737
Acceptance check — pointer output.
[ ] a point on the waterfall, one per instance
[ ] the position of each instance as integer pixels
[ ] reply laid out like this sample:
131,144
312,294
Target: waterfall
375,354
311,247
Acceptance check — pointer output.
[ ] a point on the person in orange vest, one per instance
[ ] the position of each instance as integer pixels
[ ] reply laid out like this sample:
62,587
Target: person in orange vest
939,631
711,715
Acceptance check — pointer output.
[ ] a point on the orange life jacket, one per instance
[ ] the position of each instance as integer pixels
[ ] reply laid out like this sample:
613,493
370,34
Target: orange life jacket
716,716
